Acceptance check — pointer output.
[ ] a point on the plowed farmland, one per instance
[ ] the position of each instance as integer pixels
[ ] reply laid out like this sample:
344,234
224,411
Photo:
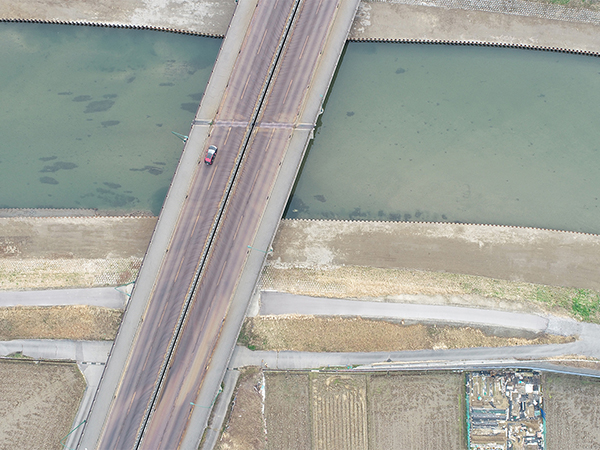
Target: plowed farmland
423,411
572,406
339,411
287,411
38,403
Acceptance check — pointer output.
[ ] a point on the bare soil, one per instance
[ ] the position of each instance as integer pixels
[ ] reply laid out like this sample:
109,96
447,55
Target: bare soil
572,406
206,16
59,322
424,411
390,20
359,411
337,334
525,255
287,404
244,427
38,403
58,252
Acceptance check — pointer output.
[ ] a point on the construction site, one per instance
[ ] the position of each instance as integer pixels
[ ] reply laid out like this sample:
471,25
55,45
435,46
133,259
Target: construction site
505,410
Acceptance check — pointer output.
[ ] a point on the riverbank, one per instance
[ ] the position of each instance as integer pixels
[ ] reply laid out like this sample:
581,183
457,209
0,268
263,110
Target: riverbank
520,22
67,252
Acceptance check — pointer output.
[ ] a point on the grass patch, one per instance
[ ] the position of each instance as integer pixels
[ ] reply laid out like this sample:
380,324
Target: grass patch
370,283
59,322
585,304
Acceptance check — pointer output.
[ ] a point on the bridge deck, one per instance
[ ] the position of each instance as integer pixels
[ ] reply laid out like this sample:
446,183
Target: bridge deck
209,250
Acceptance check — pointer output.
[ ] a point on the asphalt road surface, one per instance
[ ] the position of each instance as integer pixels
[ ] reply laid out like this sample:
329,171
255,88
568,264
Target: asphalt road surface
281,303
241,219
184,258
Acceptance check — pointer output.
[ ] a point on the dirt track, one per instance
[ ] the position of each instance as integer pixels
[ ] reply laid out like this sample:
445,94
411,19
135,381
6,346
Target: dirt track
510,253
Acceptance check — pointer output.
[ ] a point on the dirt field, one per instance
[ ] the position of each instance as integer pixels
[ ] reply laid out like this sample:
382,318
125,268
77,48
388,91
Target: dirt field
207,16
416,411
530,255
287,402
572,406
337,334
59,322
244,426
38,403
360,411
339,412
57,252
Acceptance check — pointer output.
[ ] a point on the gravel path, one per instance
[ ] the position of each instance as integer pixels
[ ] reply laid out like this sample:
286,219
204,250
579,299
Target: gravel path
107,297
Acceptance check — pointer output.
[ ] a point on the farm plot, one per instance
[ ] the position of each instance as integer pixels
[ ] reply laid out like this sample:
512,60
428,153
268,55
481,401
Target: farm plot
287,411
423,411
339,411
38,403
572,406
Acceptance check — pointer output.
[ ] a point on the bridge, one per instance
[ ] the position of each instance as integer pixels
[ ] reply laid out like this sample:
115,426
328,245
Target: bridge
260,109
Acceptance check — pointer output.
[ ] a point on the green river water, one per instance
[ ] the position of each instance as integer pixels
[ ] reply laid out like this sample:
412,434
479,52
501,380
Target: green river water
86,114
457,134
409,132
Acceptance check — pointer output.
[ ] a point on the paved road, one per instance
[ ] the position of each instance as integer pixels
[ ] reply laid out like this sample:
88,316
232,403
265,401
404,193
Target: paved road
280,303
186,256
239,224
460,359
218,222
303,360
220,410
88,352
109,297
587,344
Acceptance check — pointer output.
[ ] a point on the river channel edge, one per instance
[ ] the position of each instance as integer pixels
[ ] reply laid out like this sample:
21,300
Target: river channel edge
545,27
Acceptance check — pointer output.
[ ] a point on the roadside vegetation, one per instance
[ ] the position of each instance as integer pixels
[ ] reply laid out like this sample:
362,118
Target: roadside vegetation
338,334
587,4
394,285
59,322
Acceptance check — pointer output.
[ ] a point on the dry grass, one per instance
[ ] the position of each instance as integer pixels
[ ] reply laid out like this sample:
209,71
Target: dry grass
336,334
41,273
244,428
447,288
59,322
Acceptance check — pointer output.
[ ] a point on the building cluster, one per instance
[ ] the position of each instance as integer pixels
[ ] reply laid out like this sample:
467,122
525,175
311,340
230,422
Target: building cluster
505,410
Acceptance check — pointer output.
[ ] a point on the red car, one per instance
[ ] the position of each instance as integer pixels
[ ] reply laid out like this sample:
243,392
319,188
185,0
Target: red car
210,155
